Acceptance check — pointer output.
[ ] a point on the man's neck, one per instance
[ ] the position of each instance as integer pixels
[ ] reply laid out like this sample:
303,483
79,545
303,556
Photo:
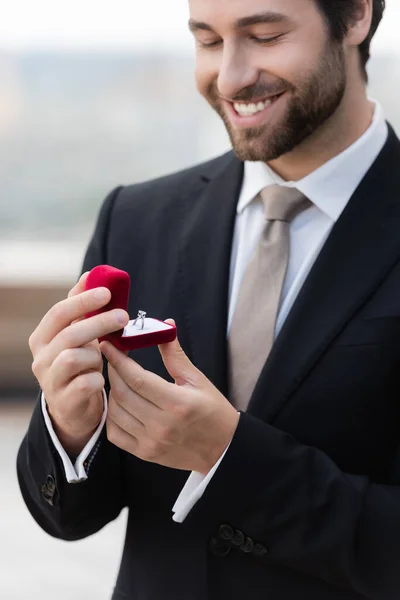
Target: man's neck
333,138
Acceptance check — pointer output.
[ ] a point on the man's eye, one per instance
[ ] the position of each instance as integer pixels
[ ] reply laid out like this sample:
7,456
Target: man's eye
269,40
209,44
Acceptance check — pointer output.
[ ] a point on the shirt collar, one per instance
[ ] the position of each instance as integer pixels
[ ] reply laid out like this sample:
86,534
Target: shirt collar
331,186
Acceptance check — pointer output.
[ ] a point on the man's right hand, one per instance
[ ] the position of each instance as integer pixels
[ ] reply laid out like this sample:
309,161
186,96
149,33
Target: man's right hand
68,364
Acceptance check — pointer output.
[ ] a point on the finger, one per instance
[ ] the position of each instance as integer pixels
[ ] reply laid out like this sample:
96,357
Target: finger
143,410
79,334
120,438
80,286
83,386
178,365
73,362
124,419
62,314
146,384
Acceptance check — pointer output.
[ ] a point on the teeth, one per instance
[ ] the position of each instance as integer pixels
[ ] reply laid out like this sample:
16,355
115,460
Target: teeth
248,110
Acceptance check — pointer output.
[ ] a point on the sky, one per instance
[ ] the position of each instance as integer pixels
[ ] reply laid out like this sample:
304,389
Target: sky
122,24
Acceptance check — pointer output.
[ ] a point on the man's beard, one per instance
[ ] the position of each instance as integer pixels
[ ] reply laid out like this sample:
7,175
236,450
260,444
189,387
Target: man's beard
309,105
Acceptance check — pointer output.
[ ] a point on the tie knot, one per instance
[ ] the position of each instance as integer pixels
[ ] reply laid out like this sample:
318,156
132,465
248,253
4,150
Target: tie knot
283,203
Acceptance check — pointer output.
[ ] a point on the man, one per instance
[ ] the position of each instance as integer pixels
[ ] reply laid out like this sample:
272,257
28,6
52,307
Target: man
261,461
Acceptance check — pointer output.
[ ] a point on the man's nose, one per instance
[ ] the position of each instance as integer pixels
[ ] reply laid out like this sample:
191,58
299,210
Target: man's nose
236,73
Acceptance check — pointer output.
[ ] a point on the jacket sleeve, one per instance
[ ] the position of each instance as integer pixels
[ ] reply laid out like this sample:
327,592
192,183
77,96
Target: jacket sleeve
289,504
72,510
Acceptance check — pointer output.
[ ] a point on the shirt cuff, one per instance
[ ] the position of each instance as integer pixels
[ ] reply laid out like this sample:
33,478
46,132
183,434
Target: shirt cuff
74,473
192,491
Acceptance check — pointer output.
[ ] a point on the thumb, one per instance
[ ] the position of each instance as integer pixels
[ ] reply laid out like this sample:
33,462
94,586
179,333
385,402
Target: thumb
178,365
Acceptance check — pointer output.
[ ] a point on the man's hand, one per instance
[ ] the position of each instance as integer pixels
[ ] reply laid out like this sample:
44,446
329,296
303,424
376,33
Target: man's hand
68,362
186,425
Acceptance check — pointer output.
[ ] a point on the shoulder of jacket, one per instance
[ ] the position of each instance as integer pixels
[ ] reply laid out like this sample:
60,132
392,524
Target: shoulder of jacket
173,185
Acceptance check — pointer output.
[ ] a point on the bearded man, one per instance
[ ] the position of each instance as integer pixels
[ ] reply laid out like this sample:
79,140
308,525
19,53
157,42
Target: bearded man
259,455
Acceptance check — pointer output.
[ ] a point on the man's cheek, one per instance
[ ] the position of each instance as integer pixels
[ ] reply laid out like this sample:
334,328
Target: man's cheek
206,79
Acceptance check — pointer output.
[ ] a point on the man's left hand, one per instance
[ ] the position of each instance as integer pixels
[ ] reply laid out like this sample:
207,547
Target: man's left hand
186,425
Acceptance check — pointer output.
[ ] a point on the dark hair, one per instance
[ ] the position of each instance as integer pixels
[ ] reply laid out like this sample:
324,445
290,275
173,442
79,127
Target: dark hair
340,13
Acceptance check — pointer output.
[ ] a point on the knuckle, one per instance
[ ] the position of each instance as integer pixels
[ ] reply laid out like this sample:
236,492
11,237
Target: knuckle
32,341
98,382
67,337
37,366
68,359
136,382
83,302
105,322
98,362
34,368
57,311
83,384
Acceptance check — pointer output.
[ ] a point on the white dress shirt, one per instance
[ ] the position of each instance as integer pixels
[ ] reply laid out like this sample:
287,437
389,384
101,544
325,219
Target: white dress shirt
329,188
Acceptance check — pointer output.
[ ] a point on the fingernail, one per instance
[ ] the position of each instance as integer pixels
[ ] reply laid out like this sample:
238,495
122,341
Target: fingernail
121,316
101,294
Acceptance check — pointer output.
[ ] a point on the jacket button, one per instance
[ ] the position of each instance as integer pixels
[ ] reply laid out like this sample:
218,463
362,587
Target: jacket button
238,538
226,532
247,546
51,484
218,548
260,550
48,490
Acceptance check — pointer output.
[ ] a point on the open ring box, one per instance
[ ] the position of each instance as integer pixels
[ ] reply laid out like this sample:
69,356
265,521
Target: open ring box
132,337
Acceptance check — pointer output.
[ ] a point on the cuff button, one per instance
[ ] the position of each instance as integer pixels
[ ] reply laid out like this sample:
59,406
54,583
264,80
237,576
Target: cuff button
247,546
238,538
48,490
226,532
260,551
51,484
218,548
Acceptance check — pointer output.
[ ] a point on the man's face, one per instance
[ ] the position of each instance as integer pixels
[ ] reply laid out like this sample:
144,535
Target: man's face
270,70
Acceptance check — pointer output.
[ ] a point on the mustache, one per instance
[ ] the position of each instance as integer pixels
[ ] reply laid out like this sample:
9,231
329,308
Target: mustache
252,92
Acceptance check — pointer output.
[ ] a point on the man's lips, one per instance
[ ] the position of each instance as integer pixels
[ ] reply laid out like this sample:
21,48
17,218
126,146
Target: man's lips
251,114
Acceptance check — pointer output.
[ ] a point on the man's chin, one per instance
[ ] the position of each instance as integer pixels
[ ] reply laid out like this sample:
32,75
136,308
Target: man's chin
253,150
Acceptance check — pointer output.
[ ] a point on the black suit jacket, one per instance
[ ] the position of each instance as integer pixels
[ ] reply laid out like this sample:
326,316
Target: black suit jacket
306,503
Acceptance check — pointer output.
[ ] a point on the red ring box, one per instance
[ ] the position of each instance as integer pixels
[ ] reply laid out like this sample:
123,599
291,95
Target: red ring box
132,337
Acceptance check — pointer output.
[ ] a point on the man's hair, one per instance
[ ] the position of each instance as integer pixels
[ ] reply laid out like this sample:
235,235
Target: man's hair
339,15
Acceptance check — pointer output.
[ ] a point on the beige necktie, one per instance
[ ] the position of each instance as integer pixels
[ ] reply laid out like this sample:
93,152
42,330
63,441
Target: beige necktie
253,326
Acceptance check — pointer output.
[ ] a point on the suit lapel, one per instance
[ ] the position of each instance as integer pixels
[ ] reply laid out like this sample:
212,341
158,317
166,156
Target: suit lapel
208,219
363,246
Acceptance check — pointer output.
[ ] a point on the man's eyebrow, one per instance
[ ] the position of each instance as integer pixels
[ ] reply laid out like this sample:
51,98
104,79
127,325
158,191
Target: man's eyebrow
198,25
260,18
257,19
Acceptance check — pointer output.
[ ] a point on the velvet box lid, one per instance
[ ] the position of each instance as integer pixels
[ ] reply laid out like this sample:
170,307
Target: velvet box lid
132,336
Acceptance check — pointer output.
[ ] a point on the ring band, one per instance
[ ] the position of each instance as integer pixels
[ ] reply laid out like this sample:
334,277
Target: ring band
141,317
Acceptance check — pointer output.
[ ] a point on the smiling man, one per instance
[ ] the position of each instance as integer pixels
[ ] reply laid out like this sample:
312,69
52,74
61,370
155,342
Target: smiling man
259,455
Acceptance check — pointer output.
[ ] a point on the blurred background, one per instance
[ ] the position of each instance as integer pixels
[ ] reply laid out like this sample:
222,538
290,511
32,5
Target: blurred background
92,95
